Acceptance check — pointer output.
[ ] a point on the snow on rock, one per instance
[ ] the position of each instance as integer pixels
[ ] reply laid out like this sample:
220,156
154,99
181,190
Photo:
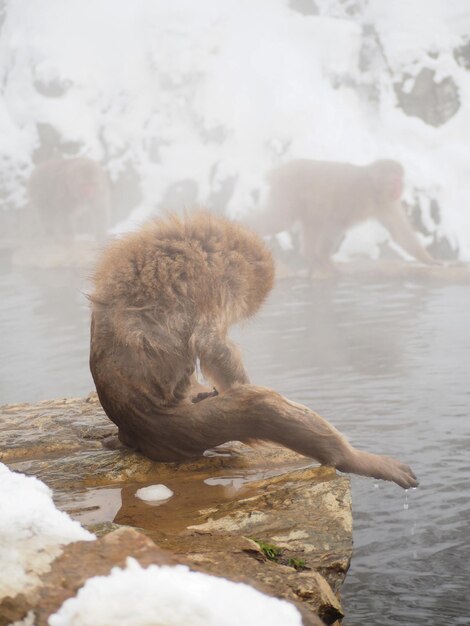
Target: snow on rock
171,596
32,532
154,493
210,95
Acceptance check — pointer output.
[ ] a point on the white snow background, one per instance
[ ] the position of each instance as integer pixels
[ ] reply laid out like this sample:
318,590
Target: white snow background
218,91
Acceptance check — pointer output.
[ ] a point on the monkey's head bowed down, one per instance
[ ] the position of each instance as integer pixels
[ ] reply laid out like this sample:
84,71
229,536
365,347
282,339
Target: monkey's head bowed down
200,266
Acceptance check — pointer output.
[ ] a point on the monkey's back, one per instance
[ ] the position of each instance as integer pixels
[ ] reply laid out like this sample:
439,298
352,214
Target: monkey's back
316,183
307,188
174,264
154,289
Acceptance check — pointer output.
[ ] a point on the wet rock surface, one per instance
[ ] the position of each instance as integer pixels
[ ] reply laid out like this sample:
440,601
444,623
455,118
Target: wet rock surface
264,515
442,273
365,270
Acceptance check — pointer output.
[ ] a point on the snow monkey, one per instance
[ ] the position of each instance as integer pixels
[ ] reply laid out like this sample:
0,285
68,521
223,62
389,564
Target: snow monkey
327,198
70,196
165,296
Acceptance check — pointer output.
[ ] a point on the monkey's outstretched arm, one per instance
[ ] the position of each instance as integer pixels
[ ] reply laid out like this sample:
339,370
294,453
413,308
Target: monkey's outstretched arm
247,412
396,222
306,432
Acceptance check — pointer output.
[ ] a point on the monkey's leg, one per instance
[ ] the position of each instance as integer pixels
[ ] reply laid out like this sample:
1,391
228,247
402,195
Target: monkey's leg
247,412
316,250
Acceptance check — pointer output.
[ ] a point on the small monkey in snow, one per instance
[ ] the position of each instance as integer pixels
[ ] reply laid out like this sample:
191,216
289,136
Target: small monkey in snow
327,198
166,296
70,196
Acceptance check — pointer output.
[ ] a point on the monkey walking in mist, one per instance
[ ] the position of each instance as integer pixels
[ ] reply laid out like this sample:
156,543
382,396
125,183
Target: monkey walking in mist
327,198
69,197
164,297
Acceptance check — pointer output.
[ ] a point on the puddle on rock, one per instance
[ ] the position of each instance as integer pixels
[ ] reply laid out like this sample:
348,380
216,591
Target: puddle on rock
195,497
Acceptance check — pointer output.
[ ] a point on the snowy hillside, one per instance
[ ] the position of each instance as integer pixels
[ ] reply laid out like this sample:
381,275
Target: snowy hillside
192,102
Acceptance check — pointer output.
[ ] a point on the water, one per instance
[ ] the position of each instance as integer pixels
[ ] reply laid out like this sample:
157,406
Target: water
44,334
388,364
164,518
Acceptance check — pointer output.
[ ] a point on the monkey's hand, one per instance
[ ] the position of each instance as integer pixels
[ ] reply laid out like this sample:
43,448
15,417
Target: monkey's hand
205,394
376,466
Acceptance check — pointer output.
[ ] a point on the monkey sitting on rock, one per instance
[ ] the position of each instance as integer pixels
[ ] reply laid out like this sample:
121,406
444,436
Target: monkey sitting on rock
327,198
163,298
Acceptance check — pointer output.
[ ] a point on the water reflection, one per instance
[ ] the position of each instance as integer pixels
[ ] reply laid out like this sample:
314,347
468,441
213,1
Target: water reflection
386,363
44,342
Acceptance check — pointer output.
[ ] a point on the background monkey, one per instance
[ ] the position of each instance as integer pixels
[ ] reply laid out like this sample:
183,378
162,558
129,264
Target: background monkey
165,296
71,196
327,198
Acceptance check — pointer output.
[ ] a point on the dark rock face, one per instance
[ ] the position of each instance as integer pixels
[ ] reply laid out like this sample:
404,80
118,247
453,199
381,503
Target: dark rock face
433,102
462,55
440,247
304,7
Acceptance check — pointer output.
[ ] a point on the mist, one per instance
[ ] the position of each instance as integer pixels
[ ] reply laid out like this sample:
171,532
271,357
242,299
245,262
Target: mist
191,104
178,105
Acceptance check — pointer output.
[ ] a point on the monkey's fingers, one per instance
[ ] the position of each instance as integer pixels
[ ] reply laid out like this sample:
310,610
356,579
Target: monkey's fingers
382,467
405,479
399,473
204,394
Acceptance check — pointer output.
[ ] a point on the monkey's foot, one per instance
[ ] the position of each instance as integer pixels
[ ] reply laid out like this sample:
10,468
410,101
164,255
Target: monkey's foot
112,442
205,394
115,442
376,466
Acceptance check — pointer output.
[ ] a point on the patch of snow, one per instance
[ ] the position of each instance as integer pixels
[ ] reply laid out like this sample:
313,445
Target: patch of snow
170,596
32,531
154,493
284,239
175,91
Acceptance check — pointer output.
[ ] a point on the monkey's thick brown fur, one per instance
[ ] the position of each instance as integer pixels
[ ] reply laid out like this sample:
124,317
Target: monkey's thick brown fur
166,296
